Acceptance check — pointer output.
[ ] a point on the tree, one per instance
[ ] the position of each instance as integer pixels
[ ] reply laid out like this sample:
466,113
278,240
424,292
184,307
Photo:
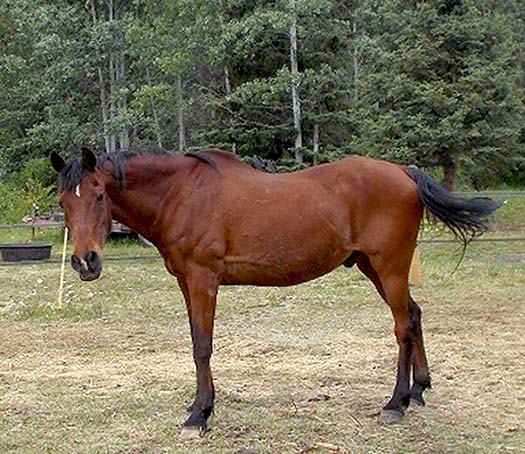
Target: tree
439,85
110,21
436,82
44,102
276,106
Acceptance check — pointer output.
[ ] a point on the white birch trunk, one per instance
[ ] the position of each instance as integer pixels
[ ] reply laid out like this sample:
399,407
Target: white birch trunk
316,143
228,88
296,105
355,60
180,116
123,102
227,84
102,88
156,122
112,89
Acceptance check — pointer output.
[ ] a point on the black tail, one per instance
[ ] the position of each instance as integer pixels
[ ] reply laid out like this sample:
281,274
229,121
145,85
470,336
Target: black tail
467,218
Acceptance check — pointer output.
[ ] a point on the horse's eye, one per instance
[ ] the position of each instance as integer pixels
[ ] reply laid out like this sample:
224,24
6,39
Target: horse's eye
100,197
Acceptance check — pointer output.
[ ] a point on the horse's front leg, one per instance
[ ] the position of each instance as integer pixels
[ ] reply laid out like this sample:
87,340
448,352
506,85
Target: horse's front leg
186,294
202,286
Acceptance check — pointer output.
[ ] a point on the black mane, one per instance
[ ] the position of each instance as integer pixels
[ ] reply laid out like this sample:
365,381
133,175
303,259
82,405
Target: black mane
74,171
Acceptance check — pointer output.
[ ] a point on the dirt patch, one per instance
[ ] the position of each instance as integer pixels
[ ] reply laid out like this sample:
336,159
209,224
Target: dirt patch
302,369
513,257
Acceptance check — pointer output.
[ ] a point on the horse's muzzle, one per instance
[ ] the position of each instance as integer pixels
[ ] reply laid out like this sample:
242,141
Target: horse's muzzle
89,267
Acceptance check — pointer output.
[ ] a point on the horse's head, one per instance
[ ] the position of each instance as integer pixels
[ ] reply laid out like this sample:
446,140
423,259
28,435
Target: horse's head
87,210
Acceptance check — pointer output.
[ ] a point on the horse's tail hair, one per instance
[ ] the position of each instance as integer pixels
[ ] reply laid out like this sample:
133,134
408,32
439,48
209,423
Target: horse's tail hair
466,218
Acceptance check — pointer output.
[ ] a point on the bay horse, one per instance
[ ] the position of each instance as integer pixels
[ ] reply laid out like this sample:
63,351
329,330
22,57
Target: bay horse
217,221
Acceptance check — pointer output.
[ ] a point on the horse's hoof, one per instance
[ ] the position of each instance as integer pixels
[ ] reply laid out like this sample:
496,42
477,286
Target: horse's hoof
390,416
189,432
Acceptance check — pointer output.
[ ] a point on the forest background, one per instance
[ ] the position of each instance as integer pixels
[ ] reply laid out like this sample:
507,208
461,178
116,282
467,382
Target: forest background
437,83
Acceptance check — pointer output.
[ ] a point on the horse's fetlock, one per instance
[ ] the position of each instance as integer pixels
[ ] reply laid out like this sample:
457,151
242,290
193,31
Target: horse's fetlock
425,383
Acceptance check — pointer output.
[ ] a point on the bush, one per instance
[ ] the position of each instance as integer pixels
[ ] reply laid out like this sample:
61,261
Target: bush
35,183
14,204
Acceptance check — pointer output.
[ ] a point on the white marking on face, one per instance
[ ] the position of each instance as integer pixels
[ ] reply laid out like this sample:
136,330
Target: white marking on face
77,190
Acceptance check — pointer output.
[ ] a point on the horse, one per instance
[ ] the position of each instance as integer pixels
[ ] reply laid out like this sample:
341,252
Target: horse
217,221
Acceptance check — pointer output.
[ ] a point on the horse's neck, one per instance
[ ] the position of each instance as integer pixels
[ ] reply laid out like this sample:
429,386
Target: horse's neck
137,203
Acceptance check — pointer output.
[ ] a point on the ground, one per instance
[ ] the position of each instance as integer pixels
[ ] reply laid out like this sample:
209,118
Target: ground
300,369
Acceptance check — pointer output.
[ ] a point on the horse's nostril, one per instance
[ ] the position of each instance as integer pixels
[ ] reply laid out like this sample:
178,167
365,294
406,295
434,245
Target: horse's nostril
75,262
91,258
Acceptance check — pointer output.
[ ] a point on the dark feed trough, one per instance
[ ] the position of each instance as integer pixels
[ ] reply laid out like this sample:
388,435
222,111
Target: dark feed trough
34,252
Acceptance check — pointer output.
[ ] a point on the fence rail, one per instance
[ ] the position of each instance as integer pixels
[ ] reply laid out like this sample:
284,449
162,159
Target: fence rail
36,225
111,258
51,225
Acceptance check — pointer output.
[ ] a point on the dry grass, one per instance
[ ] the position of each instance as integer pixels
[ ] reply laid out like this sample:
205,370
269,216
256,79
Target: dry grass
302,369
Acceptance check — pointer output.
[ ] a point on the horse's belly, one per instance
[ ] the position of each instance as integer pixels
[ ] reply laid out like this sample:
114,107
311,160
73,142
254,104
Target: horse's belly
292,241
277,270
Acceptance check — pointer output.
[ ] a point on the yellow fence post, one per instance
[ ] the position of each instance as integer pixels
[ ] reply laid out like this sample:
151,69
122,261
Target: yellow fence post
415,268
62,270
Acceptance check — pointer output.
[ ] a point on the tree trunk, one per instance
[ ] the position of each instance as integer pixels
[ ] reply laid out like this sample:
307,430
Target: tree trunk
296,105
123,102
450,175
227,84
112,83
355,61
316,143
228,88
156,122
180,116
102,89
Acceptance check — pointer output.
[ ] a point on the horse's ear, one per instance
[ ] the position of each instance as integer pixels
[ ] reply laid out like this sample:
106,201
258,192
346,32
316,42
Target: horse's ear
89,160
57,162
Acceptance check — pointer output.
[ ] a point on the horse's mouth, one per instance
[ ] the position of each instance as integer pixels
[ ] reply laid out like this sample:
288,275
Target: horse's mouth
89,267
89,276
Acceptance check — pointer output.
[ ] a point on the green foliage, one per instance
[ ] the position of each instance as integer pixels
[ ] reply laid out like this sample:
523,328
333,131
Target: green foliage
436,83
442,86
44,102
13,203
33,184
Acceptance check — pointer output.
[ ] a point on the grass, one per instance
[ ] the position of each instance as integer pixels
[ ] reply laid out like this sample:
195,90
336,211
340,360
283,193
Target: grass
511,214
301,369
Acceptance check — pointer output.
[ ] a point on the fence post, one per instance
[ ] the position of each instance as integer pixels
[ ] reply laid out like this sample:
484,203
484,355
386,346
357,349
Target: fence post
415,268
60,296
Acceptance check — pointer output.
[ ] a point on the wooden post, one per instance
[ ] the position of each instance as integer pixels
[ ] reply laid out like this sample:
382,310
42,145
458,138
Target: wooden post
415,268
34,209
62,270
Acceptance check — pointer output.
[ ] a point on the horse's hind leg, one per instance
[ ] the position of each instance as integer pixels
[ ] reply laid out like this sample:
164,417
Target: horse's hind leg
392,285
419,358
